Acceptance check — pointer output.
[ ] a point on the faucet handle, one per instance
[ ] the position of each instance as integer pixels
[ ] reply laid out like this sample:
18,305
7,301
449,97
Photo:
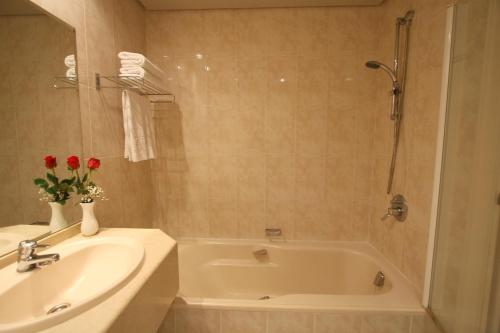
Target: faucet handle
26,248
398,209
386,216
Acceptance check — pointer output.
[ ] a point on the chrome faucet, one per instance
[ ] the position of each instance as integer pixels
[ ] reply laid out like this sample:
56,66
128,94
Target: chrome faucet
28,260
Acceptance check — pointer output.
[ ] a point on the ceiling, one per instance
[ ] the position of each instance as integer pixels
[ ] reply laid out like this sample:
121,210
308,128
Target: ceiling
218,4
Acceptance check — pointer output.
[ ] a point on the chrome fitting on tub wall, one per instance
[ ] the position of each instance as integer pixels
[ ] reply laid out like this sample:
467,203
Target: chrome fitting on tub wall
398,209
273,232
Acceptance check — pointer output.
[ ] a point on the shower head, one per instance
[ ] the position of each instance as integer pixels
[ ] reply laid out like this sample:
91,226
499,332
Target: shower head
373,64
376,65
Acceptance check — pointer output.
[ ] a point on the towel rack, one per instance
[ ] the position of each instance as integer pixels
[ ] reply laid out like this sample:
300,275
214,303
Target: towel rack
64,82
138,85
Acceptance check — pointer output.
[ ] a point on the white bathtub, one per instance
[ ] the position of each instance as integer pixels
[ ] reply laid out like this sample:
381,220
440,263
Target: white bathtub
313,276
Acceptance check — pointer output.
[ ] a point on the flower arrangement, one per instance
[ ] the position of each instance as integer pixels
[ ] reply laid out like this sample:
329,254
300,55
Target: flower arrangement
85,186
53,189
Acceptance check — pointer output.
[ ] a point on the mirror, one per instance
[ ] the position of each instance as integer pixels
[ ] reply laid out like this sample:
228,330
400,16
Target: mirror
39,114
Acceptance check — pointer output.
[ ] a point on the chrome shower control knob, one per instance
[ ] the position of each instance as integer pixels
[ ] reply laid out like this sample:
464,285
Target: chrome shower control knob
398,209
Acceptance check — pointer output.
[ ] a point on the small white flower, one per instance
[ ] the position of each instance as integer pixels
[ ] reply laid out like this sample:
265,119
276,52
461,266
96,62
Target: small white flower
94,192
44,196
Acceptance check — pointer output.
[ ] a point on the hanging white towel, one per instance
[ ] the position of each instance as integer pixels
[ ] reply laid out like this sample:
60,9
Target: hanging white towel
70,61
130,59
140,142
71,73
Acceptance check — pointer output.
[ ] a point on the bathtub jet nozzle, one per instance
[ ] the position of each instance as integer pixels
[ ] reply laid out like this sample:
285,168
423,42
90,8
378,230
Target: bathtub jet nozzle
260,253
379,280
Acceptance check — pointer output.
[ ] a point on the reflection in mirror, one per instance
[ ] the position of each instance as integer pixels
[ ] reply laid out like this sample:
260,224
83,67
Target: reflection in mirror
39,113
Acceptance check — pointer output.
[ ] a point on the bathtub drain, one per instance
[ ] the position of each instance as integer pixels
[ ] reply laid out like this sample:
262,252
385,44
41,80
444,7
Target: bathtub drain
264,298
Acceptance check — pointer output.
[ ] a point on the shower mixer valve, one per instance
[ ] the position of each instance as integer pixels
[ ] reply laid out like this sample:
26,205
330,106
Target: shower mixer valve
398,209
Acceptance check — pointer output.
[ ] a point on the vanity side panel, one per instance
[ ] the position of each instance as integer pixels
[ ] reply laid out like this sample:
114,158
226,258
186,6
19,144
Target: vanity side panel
147,309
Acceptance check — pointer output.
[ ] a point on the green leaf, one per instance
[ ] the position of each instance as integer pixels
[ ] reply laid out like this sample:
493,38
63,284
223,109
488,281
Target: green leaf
52,178
68,182
51,190
42,183
85,178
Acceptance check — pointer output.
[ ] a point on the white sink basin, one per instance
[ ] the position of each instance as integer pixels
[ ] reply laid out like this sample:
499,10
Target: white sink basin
89,271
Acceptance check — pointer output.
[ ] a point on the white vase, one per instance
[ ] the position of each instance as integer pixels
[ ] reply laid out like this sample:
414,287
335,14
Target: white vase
89,226
57,220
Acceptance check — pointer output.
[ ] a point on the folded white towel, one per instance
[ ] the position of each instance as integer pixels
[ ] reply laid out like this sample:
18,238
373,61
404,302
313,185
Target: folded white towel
70,61
71,73
130,59
140,141
131,56
133,71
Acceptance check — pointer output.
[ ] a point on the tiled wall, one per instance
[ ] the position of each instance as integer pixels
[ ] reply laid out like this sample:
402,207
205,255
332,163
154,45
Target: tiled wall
36,119
274,121
103,28
405,244
188,320
277,123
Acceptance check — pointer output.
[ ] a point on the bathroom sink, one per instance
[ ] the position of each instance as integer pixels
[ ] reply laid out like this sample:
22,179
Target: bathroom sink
89,271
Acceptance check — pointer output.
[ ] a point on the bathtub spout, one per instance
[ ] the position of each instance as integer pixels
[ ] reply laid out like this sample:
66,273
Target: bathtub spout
273,232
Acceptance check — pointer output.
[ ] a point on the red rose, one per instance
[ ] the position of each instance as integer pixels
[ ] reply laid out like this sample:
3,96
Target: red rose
73,162
93,163
50,162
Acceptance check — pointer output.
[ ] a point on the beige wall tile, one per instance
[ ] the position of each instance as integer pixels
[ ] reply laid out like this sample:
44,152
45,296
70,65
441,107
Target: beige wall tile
282,32
311,37
280,177
222,217
110,213
338,323
168,324
220,34
251,218
423,324
252,30
281,95
243,322
196,321
290,322
414,173
187,38
386,323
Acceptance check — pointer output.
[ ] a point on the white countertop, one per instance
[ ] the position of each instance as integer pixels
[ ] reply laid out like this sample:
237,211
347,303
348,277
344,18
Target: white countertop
157,245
